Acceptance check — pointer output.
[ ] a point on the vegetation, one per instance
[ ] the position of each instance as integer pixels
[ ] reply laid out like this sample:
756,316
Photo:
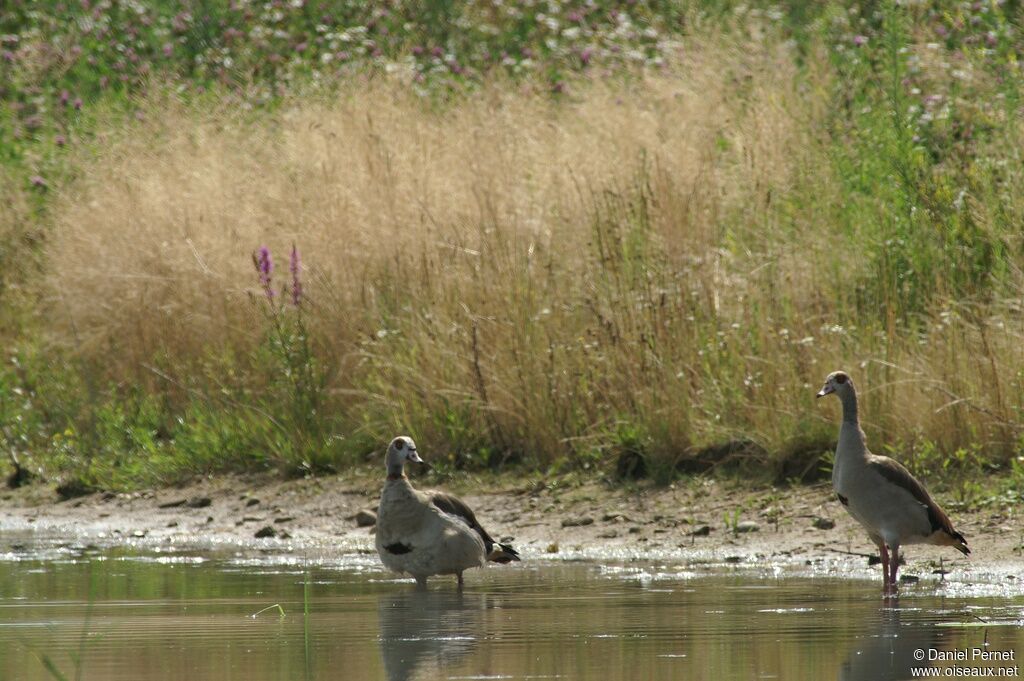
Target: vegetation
554,235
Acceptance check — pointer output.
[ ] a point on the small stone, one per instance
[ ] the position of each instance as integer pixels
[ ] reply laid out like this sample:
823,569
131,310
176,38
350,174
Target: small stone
265,531
909,579
286,519
198,502
552,548
173,504
747,526
635,530
824,523
139,533
578,522
252,502
734,559
173,523
610,534
366,518
702,531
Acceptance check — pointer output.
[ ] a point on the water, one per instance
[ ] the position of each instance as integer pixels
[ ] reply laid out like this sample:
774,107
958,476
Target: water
179,615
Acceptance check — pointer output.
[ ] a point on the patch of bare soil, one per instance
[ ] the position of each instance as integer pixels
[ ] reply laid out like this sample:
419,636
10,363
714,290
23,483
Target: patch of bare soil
698,522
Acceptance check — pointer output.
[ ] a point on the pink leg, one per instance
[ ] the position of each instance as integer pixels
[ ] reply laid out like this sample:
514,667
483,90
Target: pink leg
884,553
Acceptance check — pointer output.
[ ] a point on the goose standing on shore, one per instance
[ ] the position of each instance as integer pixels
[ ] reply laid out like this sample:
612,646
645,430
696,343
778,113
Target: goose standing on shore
881,494
429,533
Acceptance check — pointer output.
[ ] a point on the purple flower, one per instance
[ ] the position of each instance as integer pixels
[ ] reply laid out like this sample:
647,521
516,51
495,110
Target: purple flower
586,55
295,267
64,97
860,40
264,268
417,50
77,104
168,49
437,51
37,181
60,140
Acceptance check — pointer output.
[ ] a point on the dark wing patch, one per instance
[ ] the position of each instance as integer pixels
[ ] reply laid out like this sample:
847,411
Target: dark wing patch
398,548
452,505
897,474
504,553
843,500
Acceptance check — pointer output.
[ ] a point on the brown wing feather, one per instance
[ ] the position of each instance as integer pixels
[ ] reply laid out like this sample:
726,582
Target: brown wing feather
452,505
897,474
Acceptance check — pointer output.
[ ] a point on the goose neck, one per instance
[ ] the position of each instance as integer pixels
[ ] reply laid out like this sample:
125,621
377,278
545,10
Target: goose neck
849,400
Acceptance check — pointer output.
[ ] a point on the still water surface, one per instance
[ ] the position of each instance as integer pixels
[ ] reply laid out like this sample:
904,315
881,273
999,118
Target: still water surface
143,616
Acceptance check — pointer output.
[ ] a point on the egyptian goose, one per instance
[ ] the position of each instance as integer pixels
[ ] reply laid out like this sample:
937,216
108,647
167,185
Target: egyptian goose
429,533
881,494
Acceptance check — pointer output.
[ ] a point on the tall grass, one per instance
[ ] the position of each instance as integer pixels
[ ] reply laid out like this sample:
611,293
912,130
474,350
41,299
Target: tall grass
654,264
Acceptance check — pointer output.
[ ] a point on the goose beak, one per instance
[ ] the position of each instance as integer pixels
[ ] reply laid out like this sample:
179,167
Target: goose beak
414,456
826,389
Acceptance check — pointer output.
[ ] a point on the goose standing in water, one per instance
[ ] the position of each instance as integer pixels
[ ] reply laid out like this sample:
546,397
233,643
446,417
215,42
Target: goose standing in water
429,533
881,494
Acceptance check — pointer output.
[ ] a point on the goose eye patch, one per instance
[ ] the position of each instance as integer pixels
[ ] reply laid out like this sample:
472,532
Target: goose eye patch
399,444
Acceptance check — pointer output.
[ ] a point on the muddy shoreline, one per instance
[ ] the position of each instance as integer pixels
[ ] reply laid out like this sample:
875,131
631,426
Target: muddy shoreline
700,522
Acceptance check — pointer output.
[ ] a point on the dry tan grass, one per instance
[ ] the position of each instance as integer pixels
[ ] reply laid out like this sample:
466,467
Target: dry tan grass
515,273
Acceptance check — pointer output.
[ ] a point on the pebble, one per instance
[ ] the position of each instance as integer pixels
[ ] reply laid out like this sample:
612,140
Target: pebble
824,523
173,504
252,502
552,548
702,531
747,526
366,518
198,502
577,522
265,531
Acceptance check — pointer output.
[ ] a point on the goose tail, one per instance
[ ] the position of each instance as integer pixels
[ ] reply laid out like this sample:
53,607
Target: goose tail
503,553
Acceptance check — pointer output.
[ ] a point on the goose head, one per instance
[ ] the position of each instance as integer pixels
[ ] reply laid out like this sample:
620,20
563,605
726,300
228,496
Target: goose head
837,382
401,449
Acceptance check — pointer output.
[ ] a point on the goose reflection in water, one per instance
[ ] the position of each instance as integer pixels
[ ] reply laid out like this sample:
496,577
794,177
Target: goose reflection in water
887,652
424,631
